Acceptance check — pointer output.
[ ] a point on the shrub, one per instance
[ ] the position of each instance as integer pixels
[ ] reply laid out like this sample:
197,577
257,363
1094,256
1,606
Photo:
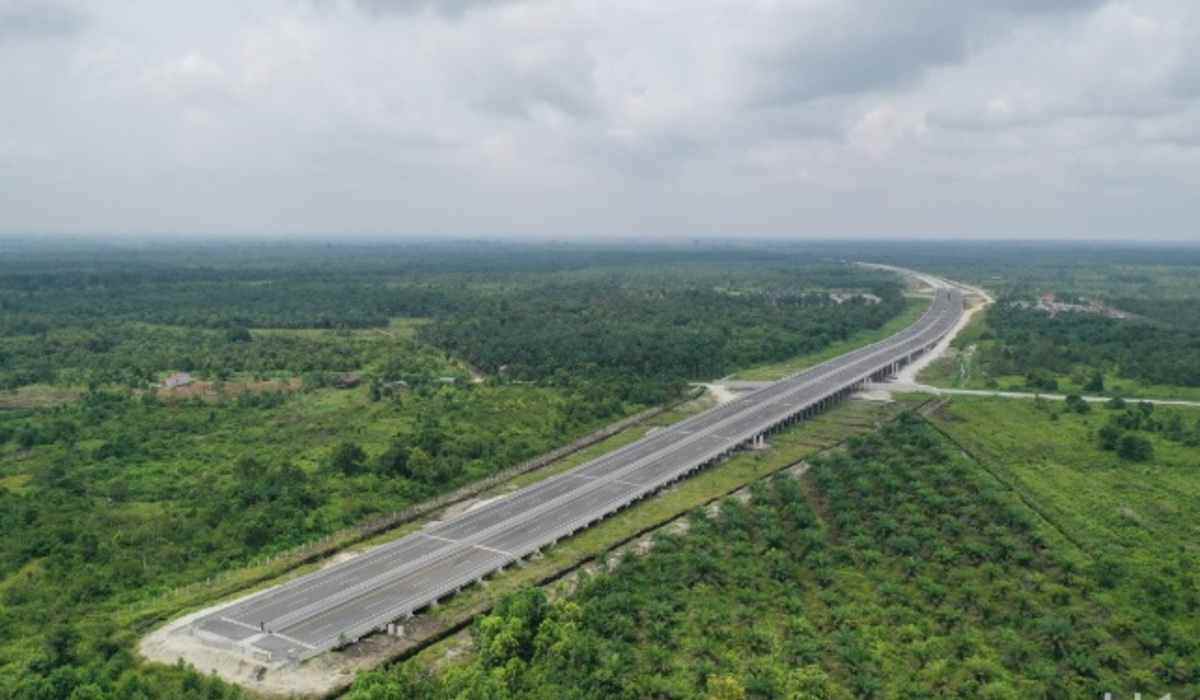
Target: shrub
1135,448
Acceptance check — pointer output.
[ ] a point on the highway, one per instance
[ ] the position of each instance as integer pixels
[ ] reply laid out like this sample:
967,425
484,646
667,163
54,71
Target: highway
342,603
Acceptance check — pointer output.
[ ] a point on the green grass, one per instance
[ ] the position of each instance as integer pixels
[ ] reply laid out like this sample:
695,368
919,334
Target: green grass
961,372
778,370
1090,493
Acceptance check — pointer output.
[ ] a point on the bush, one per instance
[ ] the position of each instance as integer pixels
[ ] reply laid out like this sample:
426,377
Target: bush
347,458
1076,403
1110,436
238,334
1135,448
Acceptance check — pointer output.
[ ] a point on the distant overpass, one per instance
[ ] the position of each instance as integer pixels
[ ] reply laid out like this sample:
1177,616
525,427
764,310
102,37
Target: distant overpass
388,584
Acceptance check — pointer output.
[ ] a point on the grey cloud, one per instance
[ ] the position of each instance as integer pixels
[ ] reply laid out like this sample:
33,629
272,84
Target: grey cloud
1185,79
659,157
522,98
860,46
446,8
38,19
858,51
1095,106
562,81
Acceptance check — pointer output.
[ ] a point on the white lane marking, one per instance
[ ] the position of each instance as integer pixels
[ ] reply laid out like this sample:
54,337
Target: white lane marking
493,549
292,640
261,634
613,481
238,623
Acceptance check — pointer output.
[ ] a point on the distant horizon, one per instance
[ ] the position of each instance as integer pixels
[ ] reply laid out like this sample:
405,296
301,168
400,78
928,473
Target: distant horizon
631,240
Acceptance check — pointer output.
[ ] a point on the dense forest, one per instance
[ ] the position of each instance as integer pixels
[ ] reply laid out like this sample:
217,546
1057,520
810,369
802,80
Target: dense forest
1032,343
896,569
326,387
643,323
665,335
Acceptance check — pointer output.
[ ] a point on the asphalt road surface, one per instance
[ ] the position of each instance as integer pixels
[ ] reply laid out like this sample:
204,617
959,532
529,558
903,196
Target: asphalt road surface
341,603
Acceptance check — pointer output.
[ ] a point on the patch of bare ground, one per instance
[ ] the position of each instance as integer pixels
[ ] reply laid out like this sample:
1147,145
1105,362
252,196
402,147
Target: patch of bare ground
318,677
816,501
215,391
37,396
937,409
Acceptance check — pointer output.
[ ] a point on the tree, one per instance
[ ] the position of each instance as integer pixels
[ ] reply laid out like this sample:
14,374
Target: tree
394,460
1095,383
1076,403
347,458
238,334
422,467
1174,428
1135,448
59,644
247,468
1110,436
724,688
1041,379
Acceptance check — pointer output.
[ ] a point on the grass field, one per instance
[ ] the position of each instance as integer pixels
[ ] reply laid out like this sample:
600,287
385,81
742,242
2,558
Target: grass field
1100,501
1137,523
959,370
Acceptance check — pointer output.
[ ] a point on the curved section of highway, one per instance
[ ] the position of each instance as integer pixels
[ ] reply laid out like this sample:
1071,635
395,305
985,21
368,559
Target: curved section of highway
342,603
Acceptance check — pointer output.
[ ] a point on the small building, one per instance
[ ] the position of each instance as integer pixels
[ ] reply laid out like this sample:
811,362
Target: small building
177,380
348,380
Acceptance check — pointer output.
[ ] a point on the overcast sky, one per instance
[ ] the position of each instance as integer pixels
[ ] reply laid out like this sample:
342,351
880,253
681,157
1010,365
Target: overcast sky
574,118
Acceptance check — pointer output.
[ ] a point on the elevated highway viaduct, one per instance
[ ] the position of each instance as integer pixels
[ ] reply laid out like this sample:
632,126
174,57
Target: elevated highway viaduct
388,584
